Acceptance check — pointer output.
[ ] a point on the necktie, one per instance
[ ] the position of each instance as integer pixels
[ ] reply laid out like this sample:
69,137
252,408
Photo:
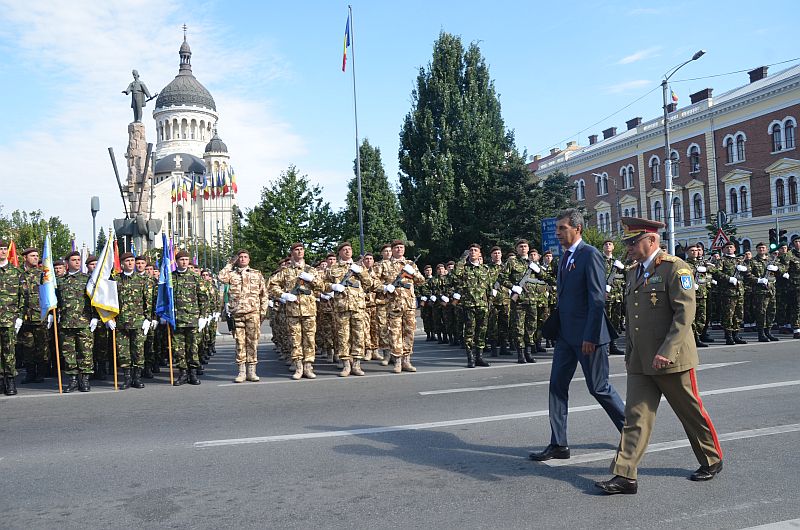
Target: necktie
639,272
567,254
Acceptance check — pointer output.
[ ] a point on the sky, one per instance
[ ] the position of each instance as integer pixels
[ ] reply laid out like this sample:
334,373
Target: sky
562,71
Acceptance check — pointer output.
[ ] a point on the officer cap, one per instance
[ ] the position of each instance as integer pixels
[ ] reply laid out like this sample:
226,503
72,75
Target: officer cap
71,254
28,251
521,241
181,254
637,226
125,255
342,245
294,246
397,242
91,258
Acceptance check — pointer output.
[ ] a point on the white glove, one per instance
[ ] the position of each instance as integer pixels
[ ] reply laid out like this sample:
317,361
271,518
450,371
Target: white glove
433,298
201,323
337,287
713,282
445,299
324,296
773,268
733,280
516,289
357,269
456,296
306,277
271,303
145,327
111,324
785,275
330,295
741,268
409,269
763,281
700,268
163,321
49,321
289,297
153,324
388,288
93,324
17,325
534,267
423,298
608,288
618,264
215,315
494,293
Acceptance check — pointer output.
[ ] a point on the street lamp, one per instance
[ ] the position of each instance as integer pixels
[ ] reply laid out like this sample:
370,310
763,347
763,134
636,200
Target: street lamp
597,178
95,206
667,160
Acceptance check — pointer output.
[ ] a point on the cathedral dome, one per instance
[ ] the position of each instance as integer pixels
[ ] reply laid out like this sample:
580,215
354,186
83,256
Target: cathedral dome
185,89
216,145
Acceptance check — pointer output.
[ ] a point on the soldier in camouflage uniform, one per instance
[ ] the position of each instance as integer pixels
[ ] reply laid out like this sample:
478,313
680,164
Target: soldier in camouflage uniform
550,276
517,275
75,325
381,309
101,338
499,306
426,308
146,269
325,334
32,337
11,311
615,286
396,277
790,259
763,271
456,312
474,282
783,287
730,275
295,286
437,287
191,303
214,303
133,321
371,340
543,289
348,282
702,279
248,301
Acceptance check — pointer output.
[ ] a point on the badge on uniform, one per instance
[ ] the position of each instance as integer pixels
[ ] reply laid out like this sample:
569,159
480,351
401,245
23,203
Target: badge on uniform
686,281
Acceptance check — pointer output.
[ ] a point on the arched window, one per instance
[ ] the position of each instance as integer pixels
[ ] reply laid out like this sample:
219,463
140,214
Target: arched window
694,159
657,213
697,201
793,190
675,160
729,150
734,206
633,212
677,213
655,170
580,190
777,144
780,196
743,201
608,222
740,148
788,134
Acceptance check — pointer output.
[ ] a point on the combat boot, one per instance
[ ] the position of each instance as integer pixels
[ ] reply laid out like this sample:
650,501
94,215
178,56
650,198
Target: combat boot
10,385
345,368
729,338
136,382
442,338
762,337
529,354
541,349
298,370
406,365
147,373
125,380
503,348
193,379
156,367
387,358
521,356
251,373
470,359
83,383
770,336
200,370
356,369
368,355
398,366
699,343
182,377
376,354
737,339
705,337
30,374
479,361
72,384
308,371
493,349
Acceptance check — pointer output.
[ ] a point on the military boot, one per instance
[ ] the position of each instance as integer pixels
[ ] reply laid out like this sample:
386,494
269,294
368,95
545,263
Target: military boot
156,367
298,370
72,384
705,337
345,368
521,356
30,374
126,379
493,349
470,359
193,379
442,338
406,365
376,354
762,337
251,373
770,336
368,355
503,348
387,358
729,338
540,348
10,385
479,361
699,343
200,370
356,368
83,383
147,373
529,354
182,377
398,366
737,339
136,382
308,371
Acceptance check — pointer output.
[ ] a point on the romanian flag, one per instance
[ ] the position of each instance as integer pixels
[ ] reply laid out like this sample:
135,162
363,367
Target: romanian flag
12,254
206,187
346,43
116,266
226,182
173,193
194,188
220,184
185,190
234,187
674,96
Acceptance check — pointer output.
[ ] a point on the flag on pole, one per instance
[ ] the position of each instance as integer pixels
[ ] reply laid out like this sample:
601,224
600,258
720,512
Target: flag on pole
133,249
221,191
115,261
226,177
84,257
100,288
165,304
72,243
346,43
194,188
234,187
185,190
12,254
206,187
174,193
674,96
47,287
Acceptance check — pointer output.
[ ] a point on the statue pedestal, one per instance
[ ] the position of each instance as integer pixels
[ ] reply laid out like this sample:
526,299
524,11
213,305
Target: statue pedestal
139,181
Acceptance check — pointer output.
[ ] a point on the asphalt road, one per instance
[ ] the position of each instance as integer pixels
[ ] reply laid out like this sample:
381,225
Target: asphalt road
443,448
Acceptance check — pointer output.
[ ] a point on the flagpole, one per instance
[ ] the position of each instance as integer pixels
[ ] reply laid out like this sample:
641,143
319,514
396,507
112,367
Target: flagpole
58,352
169,352
358,151
114,358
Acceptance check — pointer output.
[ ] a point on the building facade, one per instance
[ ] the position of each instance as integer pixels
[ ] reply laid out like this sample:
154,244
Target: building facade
735,153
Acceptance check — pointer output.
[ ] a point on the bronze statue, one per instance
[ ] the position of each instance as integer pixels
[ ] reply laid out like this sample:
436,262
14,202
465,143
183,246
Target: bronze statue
138,92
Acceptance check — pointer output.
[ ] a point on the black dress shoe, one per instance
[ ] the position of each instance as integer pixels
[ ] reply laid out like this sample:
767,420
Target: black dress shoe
559,452
618,485
706,472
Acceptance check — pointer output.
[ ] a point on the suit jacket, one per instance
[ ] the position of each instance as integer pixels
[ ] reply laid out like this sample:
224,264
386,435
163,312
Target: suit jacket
581,287
659,309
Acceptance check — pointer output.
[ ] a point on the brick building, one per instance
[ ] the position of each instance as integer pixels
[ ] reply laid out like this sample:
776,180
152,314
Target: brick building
734,153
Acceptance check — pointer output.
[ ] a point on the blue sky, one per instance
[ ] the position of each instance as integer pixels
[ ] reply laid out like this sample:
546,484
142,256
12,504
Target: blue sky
274,69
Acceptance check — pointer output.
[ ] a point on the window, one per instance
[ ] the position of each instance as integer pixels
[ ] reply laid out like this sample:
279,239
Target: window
655,170
677,212
729,150
743,202
602,184
694,159
780,196
580,190
777,144
633,212
675,161
788,134
626,173
793,190
697,202
657,213
740,147
734,199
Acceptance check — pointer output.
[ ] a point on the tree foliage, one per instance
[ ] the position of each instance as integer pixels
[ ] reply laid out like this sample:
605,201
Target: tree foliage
291,210
380,207
101,242
28,229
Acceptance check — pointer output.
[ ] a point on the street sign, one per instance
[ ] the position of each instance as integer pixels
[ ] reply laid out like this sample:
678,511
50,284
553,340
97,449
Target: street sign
720,240
549,239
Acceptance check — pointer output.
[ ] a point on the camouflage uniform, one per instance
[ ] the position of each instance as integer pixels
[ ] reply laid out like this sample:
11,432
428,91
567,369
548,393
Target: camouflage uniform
400,304
151,345
615,281
74,316
349,308
191,303
371,340
791,263
762,283
437,290
32,338
381,320
731,296
301,315
702,282
499,310
474,283
135,307
545,296
426,308
248,302
11,309
523,306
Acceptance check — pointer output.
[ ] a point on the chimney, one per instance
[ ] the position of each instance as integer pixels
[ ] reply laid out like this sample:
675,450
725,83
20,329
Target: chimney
592,139
554,151
572,144
758,74
672,107
608,133
701,95
632,124
536,157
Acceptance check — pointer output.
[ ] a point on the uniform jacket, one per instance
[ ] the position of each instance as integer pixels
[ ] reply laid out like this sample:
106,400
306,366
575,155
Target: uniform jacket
287,280
11,306
74,306
29,281
247,292
660,308
353,297
135,300
474,283
191,300
403,298
513,272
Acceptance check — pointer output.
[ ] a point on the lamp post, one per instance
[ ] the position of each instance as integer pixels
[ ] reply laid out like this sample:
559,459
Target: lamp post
95,207
668,191
597,178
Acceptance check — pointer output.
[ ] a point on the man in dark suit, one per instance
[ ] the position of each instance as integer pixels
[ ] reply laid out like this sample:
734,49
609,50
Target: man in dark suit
584,333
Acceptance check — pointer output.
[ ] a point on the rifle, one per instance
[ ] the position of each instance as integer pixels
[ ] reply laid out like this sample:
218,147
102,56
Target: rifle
526,279
300,288
398,281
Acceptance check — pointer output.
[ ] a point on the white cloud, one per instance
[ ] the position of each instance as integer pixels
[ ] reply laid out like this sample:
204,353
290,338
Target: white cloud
627,86
640,55
86,49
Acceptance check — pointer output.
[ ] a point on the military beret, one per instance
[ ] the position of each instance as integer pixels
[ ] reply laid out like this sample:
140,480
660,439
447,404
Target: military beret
29,250
182,254
475,245
141,257
795,238
91,259
72,254
125,255
397,242
440,265
761,244
783,244
451,262
608,241
546,252
385,245
342,245
427,267
58,262
4,242
294,246
496,248
330,255
637,226
368,254
242,251
521,241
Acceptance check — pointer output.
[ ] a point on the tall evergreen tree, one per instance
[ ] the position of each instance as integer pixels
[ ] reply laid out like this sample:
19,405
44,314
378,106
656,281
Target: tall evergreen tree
101,242
380,206
291,209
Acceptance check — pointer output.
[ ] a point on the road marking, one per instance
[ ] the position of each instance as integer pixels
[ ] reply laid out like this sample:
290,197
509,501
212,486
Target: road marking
446,423
54,393
780,525
541,383
675,444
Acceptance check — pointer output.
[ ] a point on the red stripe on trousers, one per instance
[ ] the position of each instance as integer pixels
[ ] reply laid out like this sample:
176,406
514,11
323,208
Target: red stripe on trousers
703,412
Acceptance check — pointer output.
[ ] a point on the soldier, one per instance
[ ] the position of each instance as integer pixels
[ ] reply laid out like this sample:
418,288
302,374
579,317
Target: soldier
783,288
32,337
615,282
348,281
191,303
730,275
248,302
763,271
550,277
499,307
381,310
437,290
426,308
791,261
11,312
76,323
214,303
517,275
541,297
474,280
396,278
145,270
294,285
133,321
701,274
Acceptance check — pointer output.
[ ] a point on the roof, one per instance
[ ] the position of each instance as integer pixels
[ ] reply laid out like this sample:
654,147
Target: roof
182,162
185,89
216,145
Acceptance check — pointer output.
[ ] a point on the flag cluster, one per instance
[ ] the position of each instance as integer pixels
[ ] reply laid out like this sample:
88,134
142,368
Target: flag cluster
207,187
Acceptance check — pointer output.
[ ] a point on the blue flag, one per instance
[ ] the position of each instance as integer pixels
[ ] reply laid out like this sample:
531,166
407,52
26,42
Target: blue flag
47,288
165,304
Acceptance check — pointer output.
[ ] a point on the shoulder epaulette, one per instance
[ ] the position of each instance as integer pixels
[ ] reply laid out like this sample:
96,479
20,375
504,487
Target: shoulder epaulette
669,258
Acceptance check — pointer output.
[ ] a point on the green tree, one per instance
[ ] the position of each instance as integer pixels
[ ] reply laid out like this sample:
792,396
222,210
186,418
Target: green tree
380,206
28,229
101,242
290,210
728,227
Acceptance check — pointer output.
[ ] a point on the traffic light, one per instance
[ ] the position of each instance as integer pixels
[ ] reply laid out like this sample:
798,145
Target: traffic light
773,239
